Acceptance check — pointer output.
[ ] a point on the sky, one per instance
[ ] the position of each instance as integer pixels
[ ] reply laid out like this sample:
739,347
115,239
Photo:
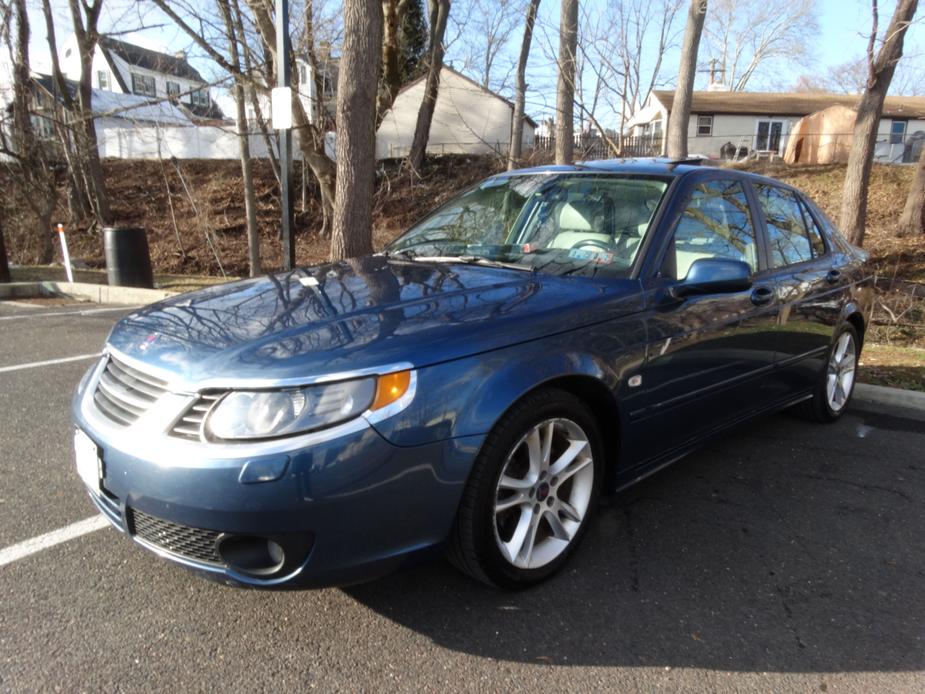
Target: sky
842,24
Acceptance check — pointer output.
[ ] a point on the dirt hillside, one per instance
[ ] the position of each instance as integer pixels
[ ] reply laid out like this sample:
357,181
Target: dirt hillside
194,211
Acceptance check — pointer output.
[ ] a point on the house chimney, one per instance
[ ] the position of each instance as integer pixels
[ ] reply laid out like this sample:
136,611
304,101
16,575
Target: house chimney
180,55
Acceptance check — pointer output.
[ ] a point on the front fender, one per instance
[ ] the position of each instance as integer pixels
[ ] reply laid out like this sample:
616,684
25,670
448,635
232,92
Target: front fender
467,396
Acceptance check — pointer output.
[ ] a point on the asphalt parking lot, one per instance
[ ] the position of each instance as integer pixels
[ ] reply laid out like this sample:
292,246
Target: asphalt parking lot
785,557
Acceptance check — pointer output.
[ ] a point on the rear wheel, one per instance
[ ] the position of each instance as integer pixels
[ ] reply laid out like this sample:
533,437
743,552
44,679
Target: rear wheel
835,386
531,492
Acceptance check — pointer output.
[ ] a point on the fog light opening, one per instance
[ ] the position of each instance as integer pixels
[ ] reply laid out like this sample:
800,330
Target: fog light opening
255,556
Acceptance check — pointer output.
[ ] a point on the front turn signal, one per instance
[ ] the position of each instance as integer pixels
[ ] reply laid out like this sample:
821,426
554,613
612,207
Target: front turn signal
389,388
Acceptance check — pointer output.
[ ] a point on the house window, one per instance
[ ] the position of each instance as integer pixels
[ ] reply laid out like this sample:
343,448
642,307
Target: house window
143,84
173,88
43,128
704,126
768,135
102,79
897,132
200,97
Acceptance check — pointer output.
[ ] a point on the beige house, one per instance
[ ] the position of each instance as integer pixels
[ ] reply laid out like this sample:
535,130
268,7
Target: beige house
763,121
468,119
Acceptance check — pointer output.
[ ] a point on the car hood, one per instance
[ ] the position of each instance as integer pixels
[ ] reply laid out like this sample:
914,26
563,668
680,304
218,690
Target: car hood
365,313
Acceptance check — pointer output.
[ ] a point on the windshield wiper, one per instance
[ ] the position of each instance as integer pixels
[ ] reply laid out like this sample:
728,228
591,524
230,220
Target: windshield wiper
476,260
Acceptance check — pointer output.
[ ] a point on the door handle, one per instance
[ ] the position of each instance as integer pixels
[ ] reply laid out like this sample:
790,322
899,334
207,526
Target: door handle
762,296
833,276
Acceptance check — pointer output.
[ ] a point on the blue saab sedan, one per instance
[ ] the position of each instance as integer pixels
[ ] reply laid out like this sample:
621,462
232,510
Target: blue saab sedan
547,335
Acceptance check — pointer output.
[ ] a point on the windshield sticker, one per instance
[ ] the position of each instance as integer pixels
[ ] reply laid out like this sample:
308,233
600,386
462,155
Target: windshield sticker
597,257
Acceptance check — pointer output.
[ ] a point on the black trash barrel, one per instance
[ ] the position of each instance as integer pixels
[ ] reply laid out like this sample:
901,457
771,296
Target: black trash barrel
128,262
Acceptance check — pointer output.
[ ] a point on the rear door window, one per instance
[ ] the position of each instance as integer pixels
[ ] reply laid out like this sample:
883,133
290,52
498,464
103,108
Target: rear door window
788,236
815,233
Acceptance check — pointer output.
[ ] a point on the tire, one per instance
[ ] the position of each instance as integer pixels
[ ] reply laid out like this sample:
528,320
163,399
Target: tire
841,363
547,508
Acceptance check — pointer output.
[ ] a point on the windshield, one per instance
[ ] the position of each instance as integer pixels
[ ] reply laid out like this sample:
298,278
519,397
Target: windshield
584,224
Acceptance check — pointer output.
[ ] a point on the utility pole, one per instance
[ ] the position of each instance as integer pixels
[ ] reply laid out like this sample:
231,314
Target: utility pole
283,80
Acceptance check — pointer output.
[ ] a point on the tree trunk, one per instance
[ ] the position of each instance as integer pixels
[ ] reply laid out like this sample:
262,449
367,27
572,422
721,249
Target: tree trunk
240,97
4,261
439,12
86,33
676,135
356,129
565,90
520,90
860,160
33,172
912,220
390,82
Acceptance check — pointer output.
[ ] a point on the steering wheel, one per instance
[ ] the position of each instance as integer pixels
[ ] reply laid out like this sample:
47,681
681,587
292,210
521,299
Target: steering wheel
596,243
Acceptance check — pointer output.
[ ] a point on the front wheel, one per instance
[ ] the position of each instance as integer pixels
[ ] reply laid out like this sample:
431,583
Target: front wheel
835,386
531,492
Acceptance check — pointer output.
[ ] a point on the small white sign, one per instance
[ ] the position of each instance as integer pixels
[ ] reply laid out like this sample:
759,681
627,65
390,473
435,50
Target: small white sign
281,107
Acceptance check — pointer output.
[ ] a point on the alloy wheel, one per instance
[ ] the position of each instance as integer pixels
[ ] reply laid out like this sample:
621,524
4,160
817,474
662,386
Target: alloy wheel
543,493
840,372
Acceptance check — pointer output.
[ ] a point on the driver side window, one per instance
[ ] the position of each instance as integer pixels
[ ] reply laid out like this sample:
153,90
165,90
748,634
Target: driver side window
716,223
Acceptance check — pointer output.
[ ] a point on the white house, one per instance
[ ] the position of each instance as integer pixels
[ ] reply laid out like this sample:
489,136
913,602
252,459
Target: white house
130,126
468,119
761,121
125,68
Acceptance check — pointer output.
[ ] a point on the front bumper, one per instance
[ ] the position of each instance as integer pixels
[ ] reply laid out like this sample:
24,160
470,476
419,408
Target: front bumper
348,506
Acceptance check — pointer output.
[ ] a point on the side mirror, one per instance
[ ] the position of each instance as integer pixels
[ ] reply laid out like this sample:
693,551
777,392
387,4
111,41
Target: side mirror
714,276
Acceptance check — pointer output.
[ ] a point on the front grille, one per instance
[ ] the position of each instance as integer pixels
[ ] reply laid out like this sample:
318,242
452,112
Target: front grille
193,543
124,393
189,426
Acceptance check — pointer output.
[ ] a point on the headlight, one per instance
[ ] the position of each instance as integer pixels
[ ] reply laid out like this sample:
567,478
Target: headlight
273,413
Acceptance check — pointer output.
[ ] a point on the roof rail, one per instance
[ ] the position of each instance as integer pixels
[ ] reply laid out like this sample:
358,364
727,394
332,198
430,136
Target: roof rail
694,161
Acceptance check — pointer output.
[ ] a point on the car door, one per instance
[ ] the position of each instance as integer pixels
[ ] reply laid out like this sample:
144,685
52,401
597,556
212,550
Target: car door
708,356
810,288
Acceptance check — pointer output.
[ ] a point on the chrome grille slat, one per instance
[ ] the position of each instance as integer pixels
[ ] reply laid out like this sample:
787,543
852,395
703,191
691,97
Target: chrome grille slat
156,385
124,393
112,410
189,426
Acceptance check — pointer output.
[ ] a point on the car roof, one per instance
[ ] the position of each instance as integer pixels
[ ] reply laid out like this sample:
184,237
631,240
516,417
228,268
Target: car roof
651,166
658,166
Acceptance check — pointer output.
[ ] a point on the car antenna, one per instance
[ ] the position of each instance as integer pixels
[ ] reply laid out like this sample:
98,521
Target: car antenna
696,161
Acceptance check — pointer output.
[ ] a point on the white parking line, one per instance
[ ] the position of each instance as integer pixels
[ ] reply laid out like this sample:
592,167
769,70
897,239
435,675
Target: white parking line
55,537
47,362
86,312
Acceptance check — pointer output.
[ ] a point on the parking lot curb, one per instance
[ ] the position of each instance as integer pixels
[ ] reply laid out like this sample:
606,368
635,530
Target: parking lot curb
882,395
97,293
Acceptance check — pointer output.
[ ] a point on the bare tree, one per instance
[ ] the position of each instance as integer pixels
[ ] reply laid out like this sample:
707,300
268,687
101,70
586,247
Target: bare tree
240,102
520,88
850,77
487,33
751,36
356,129
311,132
26,155
85,17
676,137
881,65
912,220
439,11
565,88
